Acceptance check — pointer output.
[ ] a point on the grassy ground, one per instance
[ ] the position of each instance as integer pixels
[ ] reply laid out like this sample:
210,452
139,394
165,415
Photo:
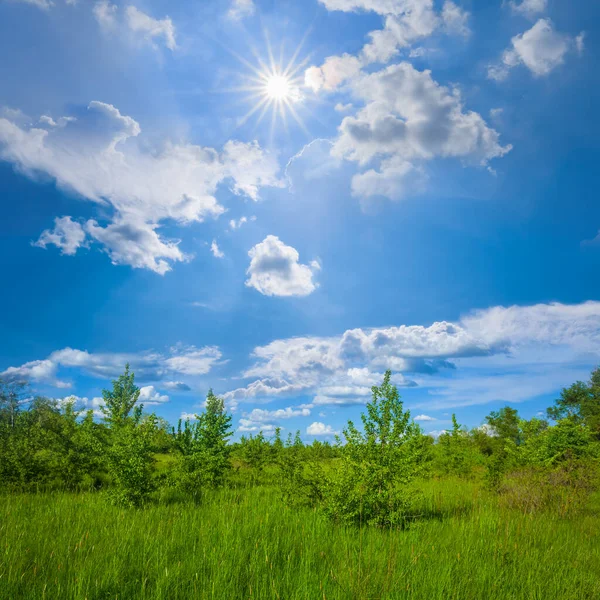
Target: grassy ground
246,544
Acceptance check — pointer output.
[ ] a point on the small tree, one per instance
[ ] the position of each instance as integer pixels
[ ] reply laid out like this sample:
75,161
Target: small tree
204,448
371,485
456,450
131,442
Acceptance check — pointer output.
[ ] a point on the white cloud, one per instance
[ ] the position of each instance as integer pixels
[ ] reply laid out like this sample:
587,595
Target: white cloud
148,366
241,9
406,22
498,354
266,420
456,20
318,429
98,157
216,252
249,426
275,271
409,118
259,415
151,28
424,418
528,8
541,49
334,71
233,224
68,235
106,14
150,396
137,245
186,416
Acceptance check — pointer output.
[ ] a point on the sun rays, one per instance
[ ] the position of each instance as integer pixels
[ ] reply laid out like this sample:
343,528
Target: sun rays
274,88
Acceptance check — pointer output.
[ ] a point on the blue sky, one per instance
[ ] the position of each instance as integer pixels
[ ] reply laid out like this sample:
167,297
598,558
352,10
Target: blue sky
281,200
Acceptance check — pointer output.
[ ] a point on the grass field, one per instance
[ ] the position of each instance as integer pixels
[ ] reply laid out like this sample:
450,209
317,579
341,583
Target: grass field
246,544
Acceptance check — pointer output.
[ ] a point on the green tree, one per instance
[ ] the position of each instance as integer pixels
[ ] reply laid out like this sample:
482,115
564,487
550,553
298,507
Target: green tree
581,402
377,464
131,442
204,448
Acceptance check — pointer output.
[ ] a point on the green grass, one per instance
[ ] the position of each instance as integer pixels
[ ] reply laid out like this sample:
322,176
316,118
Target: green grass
246,544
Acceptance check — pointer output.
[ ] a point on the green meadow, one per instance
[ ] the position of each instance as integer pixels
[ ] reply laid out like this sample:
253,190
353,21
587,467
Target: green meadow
246,543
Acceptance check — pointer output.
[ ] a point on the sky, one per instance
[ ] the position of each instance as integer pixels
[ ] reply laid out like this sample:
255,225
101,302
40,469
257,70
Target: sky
281,200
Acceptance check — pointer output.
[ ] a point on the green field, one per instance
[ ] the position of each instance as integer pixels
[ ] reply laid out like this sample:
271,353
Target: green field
245,543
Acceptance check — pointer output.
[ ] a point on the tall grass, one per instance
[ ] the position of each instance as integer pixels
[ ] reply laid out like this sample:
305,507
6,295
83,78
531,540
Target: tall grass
246,544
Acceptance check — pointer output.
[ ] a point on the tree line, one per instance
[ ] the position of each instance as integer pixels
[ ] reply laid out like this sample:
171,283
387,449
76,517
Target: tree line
367,476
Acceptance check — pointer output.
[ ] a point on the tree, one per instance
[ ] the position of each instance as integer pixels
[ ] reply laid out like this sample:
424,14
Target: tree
131,442
11,398
378,463
505,424
581,402
204,448
121,400
456,449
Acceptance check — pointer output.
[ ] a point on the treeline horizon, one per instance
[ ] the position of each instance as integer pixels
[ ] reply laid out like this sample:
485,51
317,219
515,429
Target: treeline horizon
136,457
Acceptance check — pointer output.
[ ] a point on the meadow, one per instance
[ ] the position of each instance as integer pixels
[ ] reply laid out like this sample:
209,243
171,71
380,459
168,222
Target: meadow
246,543
128,508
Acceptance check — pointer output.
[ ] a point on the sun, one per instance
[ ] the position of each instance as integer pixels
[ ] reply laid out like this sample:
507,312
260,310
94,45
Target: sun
277,87
274,87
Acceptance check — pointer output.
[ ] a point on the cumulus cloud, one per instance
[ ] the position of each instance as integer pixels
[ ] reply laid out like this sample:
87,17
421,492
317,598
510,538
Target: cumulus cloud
241,9
97,155
424,418
136,244
409,115
148,366
318,429
405,22
408,118
541,49
266,420
275,270
535,348
68,235
150,396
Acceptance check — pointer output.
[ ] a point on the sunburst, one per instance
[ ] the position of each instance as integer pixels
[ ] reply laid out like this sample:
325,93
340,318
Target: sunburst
274,87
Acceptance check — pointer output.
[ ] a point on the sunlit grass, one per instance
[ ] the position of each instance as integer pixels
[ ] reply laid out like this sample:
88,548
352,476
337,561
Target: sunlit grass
245,544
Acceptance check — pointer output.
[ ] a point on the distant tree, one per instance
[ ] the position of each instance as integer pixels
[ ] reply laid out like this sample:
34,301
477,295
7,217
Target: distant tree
581,402
12,395
505,424
456,449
